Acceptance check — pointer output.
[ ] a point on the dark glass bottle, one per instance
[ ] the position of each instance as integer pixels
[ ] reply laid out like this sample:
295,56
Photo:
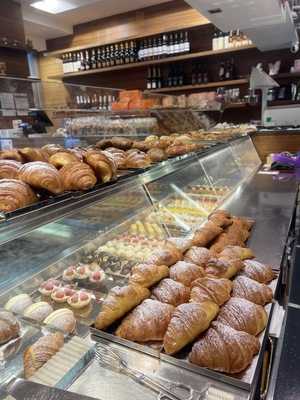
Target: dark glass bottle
149,79
87,60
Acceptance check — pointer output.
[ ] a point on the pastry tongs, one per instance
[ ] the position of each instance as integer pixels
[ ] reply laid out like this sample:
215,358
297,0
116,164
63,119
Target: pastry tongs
165,389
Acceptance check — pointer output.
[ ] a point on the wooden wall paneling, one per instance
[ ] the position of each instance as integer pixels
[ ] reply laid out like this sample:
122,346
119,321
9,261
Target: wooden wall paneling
174,15
275,143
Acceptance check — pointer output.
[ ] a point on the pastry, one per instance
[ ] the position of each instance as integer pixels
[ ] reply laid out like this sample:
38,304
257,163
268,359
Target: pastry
187,322
247,288
62,158
180,149
118,155
243,253
18,303
224,349
243,315
259,272
203,236
182,244
77,176
80,300
97,276
59,296
243,223
51,149
94,267
147,275
9,169
62,319
33,154
42,175
198,255
236,232
121,143
82,272
147,322
69,274
141,145
46,288
221,218
216,290
171,292
137,159
103,165
12,154
38,311
103,144
9,327
167,255
15,194
119,301
186,272
223,267
36,355
157,155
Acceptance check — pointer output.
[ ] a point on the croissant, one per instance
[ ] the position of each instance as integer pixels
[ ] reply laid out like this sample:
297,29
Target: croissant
103,144
225,240
62,158
32,154
221,218
243,223
187,322
77,176
103,165
121,143
78,152
137,159
247,288
147,322
9,169
216,290
118,302
182,244
167,255
186,272
40,352
51,149
243,315
258,271
141,145
236,233
203,236
198,255
223,267
41,175
157,155
181,149
171,292
147,275
118,155
15,194
12,154
224,349
243,253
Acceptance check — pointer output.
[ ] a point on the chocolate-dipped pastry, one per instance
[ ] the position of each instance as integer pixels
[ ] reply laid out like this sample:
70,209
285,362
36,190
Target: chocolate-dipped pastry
15,194
42,175
77,176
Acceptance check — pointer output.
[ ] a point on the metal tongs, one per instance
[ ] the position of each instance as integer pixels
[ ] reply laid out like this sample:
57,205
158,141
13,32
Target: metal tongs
165,389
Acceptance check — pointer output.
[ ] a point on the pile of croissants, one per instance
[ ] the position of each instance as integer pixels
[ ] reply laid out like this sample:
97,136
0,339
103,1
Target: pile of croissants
205,292
26,173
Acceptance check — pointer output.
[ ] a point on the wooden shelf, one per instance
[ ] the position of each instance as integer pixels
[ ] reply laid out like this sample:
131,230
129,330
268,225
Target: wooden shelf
167,60
202,86
287,75
278,103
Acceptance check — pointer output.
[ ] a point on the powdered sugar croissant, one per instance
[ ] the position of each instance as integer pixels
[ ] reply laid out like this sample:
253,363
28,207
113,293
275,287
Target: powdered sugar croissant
249,289
216,290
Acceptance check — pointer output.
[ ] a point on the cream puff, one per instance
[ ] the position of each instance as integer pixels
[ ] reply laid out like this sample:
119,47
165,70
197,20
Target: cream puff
19,303
80,300
38,311
82,272
97,276
69,274
62,319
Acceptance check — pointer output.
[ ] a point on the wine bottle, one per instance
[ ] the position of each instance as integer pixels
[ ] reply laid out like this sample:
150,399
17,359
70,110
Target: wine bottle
87,61
132,52
126,53
159,78
149,79
171,45
165,46
222,72
154,79
187,42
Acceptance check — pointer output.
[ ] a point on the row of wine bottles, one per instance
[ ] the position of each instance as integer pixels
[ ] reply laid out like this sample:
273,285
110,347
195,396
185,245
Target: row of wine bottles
95,101
228,40
175,75
132,51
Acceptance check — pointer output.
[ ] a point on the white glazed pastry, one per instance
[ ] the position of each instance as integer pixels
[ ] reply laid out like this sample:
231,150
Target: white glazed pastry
38,311
62,319
18,303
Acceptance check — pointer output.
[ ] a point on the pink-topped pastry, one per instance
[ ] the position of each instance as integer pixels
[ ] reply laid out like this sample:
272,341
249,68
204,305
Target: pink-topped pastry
97,277
82,272
59,295
69,274
93,267
69,291
80,300
47,287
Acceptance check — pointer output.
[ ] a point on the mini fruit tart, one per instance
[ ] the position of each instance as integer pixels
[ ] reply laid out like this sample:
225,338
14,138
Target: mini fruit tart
93,267
48,287
97,276
80,300
59,295
69,274
82,272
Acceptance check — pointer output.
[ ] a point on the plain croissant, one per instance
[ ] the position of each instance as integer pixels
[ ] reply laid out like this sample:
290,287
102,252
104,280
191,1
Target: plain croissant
171,292
103,165
118,302
187,322
147,275
15,194
249,289
243,315
224,349
42,175
9,169
33,154
216,290
147,322
77,176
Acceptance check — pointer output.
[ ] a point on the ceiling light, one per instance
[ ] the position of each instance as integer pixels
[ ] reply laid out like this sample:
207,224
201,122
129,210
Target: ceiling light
54,6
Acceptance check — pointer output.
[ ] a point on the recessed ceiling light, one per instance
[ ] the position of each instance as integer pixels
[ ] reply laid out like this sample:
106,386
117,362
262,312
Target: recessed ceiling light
54,6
